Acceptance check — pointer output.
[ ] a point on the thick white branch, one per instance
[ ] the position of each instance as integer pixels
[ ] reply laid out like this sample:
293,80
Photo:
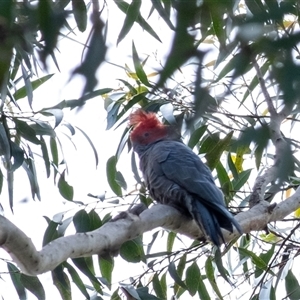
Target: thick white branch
112,235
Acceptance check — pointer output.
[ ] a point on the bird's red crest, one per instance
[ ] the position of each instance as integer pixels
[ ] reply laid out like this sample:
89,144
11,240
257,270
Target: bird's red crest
139,117
144,122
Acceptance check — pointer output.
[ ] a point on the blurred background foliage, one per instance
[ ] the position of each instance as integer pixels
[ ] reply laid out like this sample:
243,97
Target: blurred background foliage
229,49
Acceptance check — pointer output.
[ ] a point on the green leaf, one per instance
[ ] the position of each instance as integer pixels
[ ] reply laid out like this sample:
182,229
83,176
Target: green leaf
22,92
45,155
214,155
218,23
43,128
218,260
77,280
50,233
64,188
106,267
18,154
138,67
209,270
111,175
80,14
158,287
57,113
132,13
35,185
225,182
81,221
232,167
241,180
196,135
123,6
173,273
292,286
132,251
4,142
202,291
26,131
91,144
95,221
170,240
256,260
82,263
192,278
33,284
120,180
62,282
54,151
16,280
163,13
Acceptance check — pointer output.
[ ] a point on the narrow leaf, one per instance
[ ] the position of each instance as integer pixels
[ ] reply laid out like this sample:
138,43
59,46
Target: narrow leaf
111,176
175,276
138,67
33,284
77,280
132,13
22,92
64,188
209,270
106,267
15,277
192,278
80,14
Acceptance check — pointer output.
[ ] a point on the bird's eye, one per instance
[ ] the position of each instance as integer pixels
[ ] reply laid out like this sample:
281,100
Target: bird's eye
146,134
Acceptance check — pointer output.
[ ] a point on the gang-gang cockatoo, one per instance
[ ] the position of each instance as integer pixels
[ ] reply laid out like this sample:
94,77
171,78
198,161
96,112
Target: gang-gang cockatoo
175,176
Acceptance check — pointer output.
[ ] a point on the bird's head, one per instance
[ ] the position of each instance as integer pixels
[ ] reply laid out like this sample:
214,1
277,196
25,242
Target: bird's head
147,129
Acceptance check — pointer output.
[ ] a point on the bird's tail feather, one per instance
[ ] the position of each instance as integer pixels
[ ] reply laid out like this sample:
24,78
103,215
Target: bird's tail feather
208,222
211,221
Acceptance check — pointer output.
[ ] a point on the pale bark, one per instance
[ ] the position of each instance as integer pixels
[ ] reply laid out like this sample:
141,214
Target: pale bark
111,235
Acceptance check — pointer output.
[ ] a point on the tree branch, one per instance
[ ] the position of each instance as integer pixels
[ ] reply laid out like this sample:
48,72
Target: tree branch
112,235
281,146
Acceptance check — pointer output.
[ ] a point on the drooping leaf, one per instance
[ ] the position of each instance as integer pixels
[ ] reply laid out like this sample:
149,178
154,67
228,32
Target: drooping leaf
163,12
292,286
80,14
196,135
15,277
192,278
170,241
132,251
209,270
18,154
158,287
173,273
45,155
57,113
50,233
35,185
66,190
111,175
62,282
77,280
106,267
4,142
213,156
82,263
95,221
81,221
124,6
26,131
33,284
